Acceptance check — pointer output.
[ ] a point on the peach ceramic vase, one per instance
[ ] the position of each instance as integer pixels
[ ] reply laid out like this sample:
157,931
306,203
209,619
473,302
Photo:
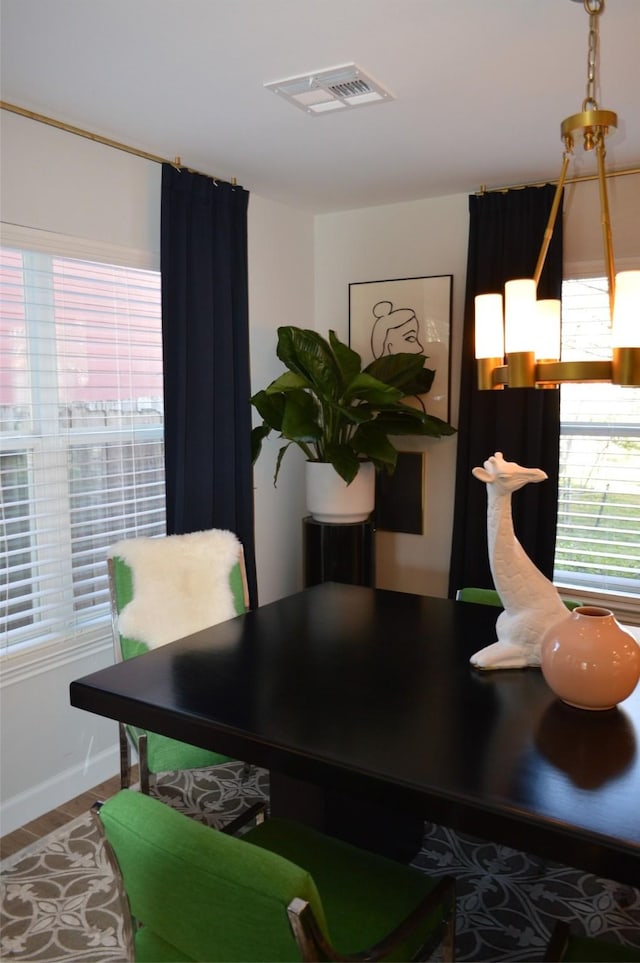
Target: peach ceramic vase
589,660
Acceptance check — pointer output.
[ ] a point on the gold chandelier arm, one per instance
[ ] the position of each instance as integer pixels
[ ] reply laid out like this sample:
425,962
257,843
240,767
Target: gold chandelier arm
548,233
606,220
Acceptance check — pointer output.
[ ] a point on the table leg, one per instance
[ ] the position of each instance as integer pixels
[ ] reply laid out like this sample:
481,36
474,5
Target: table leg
357,820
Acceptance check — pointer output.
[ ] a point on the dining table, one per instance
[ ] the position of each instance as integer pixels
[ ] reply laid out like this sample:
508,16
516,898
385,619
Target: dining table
364,707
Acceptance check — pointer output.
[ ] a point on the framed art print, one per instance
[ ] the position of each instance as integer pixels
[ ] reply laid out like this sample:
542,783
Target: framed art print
406,315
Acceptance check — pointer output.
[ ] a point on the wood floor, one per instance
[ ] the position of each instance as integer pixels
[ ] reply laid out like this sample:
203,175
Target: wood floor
40,827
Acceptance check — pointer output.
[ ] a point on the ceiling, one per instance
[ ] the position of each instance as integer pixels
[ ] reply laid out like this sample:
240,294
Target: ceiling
480,88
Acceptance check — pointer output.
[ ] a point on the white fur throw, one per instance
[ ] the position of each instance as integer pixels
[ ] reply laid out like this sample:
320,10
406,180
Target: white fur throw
180,584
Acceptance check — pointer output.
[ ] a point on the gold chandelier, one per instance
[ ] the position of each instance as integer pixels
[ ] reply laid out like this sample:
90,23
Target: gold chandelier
522,348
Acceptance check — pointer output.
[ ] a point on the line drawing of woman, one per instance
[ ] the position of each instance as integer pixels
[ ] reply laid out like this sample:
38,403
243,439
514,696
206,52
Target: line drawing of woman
394,331
405,315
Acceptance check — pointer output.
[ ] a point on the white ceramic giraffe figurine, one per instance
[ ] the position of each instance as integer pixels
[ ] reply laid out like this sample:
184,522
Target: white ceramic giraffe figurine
531,602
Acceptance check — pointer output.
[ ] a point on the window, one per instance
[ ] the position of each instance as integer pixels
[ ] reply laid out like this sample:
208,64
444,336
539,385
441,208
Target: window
81,436
598,535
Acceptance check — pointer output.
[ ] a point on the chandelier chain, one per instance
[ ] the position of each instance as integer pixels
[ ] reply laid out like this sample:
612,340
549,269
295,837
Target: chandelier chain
594,8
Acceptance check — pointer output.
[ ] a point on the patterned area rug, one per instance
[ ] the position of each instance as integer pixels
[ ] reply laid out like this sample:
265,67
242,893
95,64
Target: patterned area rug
60,903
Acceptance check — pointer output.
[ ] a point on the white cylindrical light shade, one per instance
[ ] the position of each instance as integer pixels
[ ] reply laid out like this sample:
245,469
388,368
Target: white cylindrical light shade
520,315
626,310
489,326
548,330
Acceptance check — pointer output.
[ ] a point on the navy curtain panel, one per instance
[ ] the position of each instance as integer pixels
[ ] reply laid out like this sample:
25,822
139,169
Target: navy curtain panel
205,321
505,234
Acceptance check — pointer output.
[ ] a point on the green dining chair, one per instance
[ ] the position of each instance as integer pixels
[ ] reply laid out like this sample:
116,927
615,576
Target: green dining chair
131,563
480,596
280,892
484,596
563,947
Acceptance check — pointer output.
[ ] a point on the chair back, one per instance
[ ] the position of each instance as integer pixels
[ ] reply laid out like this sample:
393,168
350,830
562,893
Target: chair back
121,593
199,894
484,596
481,596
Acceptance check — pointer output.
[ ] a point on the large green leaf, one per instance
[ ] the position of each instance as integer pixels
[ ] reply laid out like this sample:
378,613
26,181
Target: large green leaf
270,408
289,381
437,428
353,414
278,463
421,384
404,371
308,354
367,388
349,361
372,441
344,460
257,437
300,420
417,423
397,410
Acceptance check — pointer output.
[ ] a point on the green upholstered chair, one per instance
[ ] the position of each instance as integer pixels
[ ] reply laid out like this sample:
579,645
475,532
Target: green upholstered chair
484,596
157,753
480,596
281,892
563,946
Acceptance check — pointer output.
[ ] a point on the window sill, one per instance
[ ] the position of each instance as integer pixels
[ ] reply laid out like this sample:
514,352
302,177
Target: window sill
24,662
626,608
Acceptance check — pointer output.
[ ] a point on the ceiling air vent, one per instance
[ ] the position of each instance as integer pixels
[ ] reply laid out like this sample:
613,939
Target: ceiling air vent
333,89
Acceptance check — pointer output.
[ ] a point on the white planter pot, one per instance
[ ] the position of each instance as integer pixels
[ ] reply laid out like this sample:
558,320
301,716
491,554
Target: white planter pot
330,499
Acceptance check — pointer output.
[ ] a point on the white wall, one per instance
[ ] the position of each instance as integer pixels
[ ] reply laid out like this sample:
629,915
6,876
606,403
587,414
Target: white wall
55,181
280,292
417,239
58,182
583,246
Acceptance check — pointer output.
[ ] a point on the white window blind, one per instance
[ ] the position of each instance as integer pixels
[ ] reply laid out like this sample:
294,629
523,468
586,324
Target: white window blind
81,435
598,534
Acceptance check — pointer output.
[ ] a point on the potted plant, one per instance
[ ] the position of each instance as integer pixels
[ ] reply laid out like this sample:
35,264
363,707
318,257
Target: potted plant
339,414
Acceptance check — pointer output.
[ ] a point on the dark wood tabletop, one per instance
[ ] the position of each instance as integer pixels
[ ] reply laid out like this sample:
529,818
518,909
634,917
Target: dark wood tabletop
370,692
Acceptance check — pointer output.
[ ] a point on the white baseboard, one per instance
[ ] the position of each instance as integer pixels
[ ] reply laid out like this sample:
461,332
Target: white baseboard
41,798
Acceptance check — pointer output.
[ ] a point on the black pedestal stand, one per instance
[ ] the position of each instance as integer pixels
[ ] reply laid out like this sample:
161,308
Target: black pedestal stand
338,553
